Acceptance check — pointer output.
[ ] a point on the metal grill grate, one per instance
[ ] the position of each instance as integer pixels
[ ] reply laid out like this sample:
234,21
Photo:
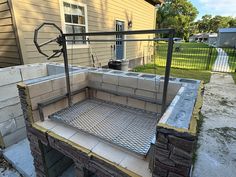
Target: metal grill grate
124,126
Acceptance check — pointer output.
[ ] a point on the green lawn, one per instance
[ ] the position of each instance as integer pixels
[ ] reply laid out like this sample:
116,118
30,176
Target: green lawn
190,56
176,72
232,58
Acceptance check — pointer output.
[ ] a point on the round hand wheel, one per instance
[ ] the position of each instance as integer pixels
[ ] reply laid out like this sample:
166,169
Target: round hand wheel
56,53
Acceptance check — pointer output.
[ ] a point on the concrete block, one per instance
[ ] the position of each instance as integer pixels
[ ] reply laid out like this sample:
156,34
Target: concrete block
9,76
33,71
36,116
173,87
136,165
78,97
148,84
128,81
136,103
55,68
153,107
78,77
125,90
94,84
119,99
20,122
110,78
40,88
103,96
8,91
145,94
45,97
7,127
10,101
80,85
58,83
14,137
95,76
10,112
109,87
109,152
64,131
11,125
85,140
52,108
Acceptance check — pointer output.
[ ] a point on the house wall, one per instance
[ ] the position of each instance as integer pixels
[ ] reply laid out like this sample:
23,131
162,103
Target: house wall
101,17
12,125
9,50
226,40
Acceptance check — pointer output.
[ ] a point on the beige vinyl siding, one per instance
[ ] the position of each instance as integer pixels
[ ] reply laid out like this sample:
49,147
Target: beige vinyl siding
101,17
9,52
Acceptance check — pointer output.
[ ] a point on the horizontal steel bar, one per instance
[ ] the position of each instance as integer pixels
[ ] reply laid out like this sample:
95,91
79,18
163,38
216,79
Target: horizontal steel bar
159,31
115,40
131,96
54,100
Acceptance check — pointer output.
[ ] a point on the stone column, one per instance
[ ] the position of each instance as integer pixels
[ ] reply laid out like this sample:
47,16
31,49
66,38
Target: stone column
173,152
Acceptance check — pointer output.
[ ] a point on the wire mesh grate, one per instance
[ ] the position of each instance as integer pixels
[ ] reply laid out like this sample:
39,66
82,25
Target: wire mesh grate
130,128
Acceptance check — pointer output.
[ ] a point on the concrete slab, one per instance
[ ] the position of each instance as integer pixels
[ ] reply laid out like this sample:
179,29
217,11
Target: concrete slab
216,155
20,157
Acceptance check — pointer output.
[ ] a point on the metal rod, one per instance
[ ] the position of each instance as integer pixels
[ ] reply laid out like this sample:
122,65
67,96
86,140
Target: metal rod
47,42
160,31
115,40
54,100
167,72
64,50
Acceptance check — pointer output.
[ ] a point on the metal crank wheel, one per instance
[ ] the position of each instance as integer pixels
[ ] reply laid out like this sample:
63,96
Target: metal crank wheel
58,40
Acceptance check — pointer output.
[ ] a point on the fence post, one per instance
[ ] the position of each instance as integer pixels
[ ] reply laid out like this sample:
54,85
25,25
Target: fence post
209,58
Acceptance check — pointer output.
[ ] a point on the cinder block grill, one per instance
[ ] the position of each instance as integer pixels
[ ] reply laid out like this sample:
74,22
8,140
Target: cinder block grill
130,128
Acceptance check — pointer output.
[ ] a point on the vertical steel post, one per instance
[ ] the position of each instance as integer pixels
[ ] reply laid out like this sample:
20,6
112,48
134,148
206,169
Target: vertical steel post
167,71
64,51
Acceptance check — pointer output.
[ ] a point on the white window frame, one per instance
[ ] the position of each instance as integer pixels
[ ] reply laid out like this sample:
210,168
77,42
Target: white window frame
63,23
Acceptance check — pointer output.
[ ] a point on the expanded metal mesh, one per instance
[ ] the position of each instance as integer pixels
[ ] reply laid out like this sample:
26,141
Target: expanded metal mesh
124,126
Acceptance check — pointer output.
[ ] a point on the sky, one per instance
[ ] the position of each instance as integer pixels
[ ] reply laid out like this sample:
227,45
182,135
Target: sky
215,7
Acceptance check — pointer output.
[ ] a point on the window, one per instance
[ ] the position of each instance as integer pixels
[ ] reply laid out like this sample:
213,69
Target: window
74,21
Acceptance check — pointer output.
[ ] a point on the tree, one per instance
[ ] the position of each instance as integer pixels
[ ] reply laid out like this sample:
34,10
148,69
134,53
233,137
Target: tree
209,24
178,14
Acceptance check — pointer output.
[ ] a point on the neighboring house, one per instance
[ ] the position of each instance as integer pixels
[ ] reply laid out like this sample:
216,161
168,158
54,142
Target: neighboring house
212,38
227,37
19,18
209,38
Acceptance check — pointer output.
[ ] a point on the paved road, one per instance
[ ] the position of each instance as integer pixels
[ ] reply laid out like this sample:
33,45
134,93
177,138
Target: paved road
216,155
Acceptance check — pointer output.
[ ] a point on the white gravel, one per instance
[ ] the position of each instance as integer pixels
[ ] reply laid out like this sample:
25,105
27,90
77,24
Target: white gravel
216,155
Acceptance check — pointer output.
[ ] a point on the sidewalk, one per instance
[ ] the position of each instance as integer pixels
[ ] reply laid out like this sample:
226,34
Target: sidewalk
222,61
216,155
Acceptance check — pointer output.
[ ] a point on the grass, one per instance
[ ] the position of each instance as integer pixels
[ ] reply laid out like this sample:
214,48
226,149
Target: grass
190,56
232,58
176,72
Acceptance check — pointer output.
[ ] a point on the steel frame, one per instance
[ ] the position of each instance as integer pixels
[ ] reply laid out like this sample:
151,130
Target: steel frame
61,40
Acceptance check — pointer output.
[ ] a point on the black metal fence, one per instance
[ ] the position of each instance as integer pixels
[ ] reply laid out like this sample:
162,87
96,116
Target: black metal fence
198,56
